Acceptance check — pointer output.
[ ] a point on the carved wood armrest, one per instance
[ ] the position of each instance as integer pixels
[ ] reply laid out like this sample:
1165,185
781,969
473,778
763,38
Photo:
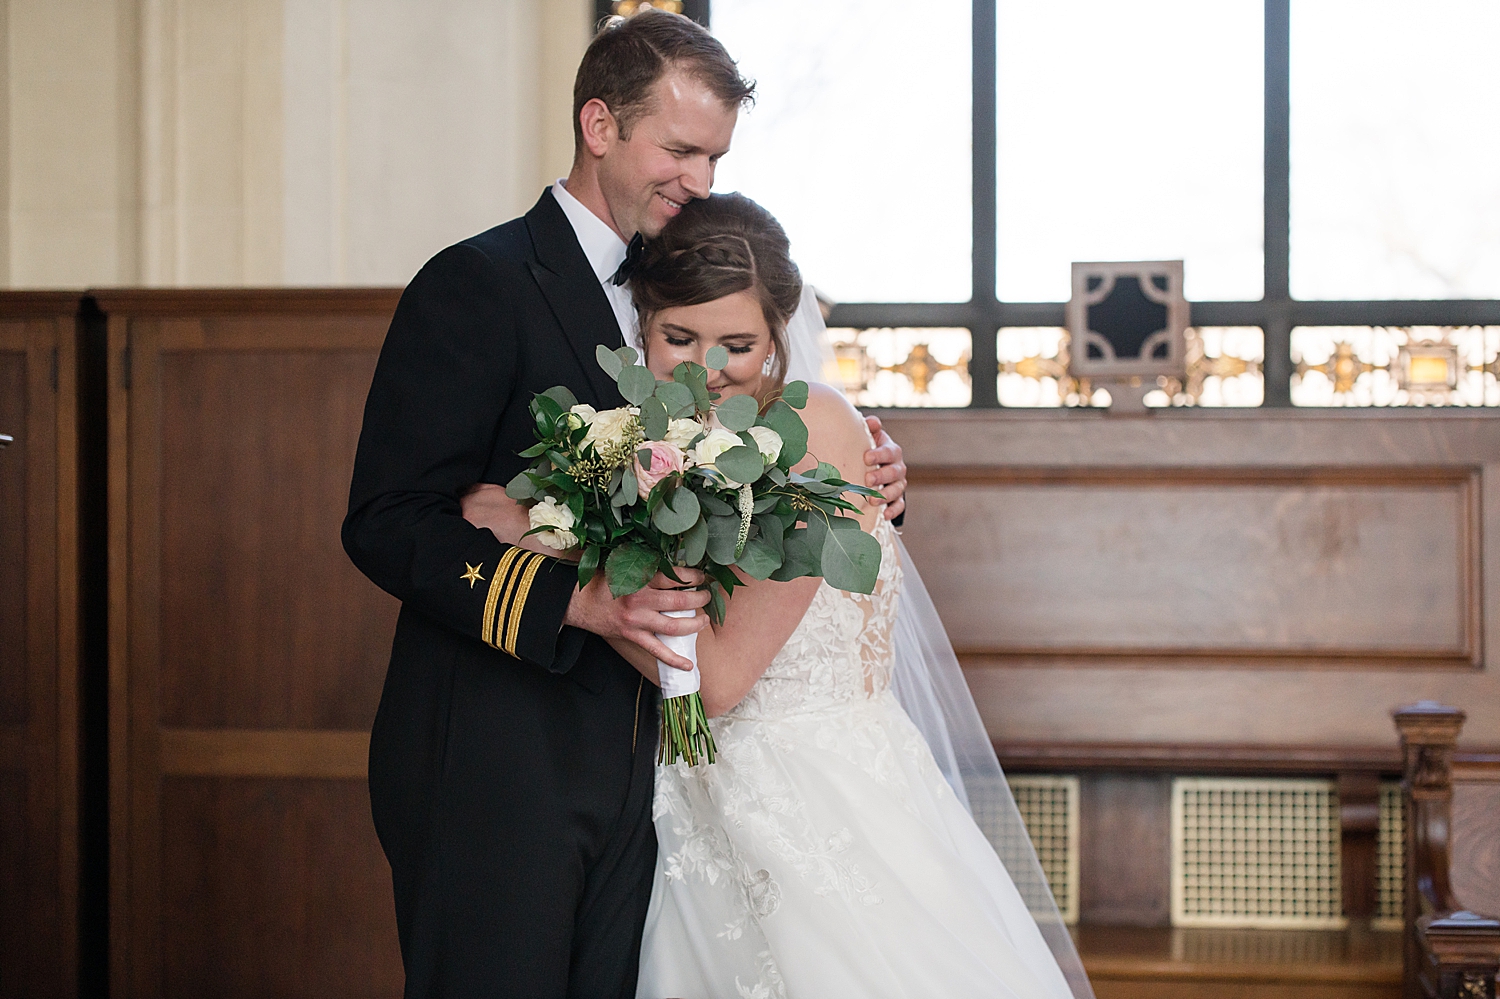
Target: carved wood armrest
1461,953
1450,953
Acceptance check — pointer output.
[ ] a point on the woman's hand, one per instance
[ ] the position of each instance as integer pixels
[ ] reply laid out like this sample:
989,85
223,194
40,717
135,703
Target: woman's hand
486,505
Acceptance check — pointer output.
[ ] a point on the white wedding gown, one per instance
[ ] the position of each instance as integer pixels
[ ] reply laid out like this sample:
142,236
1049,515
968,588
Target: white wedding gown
824,855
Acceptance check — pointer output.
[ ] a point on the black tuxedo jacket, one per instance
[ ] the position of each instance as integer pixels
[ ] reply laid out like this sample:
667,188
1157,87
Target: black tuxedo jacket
510,761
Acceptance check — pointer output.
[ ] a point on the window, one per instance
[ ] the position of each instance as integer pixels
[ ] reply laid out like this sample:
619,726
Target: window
939,166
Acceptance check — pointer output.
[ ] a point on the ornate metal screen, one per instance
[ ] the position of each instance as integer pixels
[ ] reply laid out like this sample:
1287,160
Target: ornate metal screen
904,367
1396,366
1390,863
1224,368
1049,807
1255,853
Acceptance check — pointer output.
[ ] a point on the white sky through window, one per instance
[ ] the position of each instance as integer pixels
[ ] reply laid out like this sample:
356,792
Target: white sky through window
859,140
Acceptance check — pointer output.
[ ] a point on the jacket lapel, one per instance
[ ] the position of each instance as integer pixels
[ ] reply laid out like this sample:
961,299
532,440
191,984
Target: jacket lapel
567,282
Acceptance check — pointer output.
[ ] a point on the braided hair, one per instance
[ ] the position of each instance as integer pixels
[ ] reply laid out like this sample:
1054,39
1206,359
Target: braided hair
717,246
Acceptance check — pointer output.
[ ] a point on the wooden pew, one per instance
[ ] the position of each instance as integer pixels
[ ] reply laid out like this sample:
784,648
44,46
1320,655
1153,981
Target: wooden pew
1449,951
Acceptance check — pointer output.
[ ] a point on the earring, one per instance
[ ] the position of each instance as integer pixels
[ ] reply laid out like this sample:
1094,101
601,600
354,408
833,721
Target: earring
765,369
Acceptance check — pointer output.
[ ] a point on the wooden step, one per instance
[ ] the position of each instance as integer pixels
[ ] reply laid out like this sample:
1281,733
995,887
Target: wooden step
1139,963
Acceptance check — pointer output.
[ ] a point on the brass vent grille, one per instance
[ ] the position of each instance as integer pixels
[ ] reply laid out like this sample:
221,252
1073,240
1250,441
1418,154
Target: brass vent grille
1049,807
1255,853
1390,855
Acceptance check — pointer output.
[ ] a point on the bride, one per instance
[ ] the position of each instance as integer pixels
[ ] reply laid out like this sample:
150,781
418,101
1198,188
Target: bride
831,851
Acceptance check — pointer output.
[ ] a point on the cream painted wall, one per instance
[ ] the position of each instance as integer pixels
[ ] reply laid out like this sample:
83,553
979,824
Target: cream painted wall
266,142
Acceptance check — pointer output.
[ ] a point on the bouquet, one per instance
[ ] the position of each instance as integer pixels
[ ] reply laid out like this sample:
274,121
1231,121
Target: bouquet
681,478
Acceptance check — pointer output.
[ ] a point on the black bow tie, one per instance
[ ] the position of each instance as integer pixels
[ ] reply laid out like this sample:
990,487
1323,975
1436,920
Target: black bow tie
631,261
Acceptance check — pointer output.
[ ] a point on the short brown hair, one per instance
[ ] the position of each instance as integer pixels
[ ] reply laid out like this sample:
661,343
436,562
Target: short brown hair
717,246
628,56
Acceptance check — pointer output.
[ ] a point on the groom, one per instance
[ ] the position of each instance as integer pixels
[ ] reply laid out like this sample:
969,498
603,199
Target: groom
511,760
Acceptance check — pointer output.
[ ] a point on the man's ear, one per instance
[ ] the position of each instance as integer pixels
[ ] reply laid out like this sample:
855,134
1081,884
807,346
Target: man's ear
600,130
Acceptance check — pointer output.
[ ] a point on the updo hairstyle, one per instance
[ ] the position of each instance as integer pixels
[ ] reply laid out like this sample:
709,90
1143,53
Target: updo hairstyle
717,246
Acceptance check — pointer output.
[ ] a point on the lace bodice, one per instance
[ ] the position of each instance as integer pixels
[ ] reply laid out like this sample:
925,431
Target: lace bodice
841,650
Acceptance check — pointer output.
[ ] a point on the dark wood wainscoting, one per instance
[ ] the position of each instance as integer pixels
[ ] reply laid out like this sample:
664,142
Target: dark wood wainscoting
39,645
247,653
1255,577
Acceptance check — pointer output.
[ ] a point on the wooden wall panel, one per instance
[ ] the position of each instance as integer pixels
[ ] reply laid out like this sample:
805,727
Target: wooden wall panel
256,456
247,655
13,666
1202,566
1259,578
1475,851
16,941
1126,851
287,852
39,645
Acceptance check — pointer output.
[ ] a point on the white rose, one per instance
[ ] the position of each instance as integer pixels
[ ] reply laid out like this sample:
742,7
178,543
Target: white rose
609,427
769,443
549,513
682,432
715,443
585,415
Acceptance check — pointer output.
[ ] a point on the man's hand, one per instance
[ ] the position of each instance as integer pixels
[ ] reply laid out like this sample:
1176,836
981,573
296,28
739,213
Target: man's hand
887,469
638,617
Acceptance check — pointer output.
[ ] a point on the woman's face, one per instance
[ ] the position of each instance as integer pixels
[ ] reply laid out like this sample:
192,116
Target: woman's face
734,322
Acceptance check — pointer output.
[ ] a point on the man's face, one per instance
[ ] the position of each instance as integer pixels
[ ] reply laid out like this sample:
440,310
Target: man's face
669,158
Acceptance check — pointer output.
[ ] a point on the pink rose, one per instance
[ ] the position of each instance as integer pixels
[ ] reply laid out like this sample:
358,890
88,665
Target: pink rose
666,459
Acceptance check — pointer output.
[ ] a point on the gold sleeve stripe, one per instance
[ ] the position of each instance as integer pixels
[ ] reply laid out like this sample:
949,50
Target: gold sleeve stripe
518,605
508,600
492,599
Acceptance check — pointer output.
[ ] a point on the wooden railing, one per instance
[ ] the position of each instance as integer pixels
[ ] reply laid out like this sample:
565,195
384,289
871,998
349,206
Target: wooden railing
1450,953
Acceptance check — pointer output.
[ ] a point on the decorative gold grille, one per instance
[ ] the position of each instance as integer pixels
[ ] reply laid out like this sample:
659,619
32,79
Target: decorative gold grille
917,367
1396,366
1049,807
1223,369
625,8
1390,863
1255,853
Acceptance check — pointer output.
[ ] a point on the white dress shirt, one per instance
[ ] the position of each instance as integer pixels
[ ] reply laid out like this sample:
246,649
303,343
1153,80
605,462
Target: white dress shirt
605,251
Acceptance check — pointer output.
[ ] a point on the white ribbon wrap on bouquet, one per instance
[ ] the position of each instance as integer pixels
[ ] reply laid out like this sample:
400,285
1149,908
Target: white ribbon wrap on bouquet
679,682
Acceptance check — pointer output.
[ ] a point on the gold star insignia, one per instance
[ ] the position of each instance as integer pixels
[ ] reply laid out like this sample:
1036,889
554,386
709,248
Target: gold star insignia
473,575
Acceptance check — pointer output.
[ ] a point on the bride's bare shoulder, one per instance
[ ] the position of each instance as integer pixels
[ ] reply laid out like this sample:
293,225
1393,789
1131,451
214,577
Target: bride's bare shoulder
834,426
829,415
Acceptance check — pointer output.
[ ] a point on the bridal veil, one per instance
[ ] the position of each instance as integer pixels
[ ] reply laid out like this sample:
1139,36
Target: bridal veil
930,685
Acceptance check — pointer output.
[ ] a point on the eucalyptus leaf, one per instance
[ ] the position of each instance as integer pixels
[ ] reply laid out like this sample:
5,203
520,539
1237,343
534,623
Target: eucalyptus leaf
759,559
723,535
766,503
561,395
629,568
737,413
795,394
627,493
742,463
714,506
676,398
627,355
716,359
797,559
851,560
677,513
783,419
637,384
654,419
608,360
521,487
772,529
695,543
